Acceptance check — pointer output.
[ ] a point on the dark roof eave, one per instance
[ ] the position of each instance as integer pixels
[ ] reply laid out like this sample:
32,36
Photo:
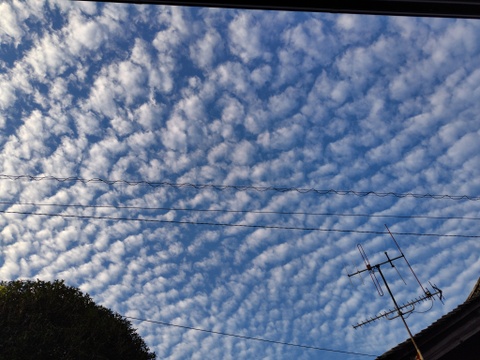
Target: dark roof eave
439,326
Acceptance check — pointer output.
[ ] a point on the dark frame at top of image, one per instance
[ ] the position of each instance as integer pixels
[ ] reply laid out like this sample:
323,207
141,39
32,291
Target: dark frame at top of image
420,8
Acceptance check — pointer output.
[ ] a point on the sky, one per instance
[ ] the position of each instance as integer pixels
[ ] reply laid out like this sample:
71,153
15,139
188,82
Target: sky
212,171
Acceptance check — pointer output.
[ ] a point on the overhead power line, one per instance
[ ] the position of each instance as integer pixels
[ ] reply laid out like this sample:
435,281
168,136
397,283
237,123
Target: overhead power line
238,187
247,211
188,222
244,337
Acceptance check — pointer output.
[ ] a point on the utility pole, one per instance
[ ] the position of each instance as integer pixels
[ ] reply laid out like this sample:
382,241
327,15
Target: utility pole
399,310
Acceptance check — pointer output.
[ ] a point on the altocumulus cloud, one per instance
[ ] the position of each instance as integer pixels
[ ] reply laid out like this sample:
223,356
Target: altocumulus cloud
208,109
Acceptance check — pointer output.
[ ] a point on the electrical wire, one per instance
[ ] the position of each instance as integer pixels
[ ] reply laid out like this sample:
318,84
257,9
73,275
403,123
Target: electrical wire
427,310
244,337
130,207
187,222
237,187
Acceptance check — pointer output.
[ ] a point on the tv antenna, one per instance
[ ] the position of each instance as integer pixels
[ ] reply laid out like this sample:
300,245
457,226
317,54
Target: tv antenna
399,311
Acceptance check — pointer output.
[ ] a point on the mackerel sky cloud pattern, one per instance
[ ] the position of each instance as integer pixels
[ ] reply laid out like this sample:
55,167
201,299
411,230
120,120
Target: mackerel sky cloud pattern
158,158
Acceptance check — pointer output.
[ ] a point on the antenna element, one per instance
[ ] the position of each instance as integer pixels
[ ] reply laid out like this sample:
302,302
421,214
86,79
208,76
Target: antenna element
399,310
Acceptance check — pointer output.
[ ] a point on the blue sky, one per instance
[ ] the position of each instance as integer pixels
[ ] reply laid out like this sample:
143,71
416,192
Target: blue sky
160,159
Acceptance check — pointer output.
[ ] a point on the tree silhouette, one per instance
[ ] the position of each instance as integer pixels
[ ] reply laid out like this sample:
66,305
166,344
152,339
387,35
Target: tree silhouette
50,320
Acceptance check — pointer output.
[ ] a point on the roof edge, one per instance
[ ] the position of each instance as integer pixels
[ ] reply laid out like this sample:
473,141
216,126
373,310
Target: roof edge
475,291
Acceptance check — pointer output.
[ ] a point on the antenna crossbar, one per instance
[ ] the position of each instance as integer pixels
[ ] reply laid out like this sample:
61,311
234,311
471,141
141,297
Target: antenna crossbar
401,310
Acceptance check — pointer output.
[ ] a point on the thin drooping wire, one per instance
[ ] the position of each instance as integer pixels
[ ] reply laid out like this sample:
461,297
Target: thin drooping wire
426,310
238,187
130,207
187,222
244,337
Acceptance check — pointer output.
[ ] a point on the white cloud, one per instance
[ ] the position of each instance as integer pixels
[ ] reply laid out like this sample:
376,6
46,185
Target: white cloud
10,24
207,50
356,28
232,76
262,75
246,38
174,136
131,78
243,154
218,153
283,138
178,28
149,115
463,149
7,97
83,34
48,57
282,104
102,97
233,111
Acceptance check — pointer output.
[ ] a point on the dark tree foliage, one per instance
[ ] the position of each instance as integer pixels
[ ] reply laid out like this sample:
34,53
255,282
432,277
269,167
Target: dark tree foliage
50,320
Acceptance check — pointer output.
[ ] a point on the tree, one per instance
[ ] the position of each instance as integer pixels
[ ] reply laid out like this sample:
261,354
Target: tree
50,320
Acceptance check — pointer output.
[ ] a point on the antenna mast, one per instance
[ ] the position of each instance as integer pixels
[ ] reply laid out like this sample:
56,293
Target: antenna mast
399,310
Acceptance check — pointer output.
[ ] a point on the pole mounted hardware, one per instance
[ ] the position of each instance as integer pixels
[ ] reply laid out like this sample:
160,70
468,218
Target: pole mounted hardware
399,310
